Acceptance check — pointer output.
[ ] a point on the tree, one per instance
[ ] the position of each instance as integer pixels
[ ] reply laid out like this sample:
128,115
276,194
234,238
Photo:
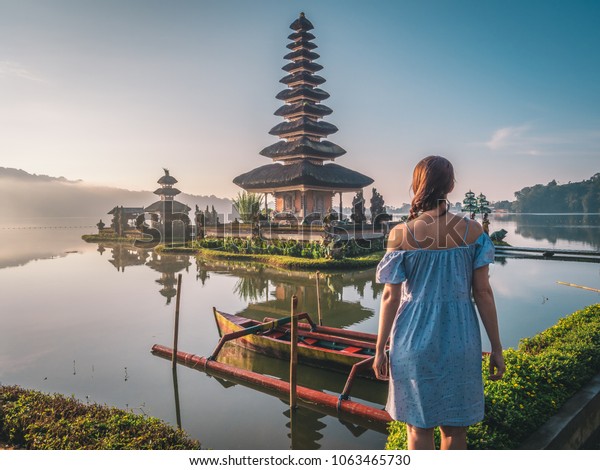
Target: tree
470,203
248,206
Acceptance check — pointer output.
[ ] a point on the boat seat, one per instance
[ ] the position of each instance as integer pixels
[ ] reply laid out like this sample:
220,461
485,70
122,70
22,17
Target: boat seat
276,334
351,350
310,341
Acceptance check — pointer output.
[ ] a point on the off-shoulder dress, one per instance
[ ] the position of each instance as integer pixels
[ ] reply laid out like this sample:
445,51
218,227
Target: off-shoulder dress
435,349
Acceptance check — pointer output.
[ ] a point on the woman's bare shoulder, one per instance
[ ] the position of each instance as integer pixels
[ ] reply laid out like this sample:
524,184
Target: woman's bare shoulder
475,230
397,237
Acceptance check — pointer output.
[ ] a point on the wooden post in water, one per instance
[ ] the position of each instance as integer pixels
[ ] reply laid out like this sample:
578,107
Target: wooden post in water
293,355
176,329
320,319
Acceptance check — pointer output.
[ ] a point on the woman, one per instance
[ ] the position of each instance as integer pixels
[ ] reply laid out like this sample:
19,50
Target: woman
435,344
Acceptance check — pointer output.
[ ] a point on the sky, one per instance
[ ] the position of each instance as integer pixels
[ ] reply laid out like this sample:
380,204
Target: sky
112,91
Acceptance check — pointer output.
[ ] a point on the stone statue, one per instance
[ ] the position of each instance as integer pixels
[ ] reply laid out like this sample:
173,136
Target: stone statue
358,208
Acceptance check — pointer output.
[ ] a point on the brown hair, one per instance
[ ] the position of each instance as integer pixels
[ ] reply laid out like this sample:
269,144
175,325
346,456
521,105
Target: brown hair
433,179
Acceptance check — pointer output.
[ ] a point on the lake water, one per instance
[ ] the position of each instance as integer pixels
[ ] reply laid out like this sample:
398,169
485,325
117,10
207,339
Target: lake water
80,319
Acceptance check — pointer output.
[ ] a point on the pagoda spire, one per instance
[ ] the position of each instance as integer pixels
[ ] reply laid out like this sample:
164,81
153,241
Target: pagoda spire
303,131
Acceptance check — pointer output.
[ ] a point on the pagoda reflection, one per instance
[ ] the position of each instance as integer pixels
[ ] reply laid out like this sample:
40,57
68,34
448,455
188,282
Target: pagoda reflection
267,291
168,266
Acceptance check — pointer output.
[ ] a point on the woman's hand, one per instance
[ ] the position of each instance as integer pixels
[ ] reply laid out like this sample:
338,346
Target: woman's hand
497,367
381,366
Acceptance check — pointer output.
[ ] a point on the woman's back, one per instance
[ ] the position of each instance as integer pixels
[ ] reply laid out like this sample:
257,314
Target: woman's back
430,232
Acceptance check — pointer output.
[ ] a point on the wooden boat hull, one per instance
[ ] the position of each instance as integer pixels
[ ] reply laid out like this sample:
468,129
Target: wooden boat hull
330,348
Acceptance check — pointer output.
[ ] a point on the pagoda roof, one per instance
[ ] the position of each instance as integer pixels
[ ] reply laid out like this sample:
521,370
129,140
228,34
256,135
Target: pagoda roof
302,92
167,178
161,206
302,43
301,54
167,191
302,24
127,210
303,147
302,64
304,125
301,36
302,173
302,77
304,107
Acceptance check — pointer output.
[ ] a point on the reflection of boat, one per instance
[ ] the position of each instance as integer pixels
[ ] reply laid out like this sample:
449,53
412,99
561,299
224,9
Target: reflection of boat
320,346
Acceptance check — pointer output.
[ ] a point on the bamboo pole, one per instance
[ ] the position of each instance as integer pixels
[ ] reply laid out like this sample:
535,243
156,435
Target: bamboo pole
320,319
578,286
176,329
294,356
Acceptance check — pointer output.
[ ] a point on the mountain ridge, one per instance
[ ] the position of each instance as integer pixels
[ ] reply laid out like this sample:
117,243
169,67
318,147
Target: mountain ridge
30,195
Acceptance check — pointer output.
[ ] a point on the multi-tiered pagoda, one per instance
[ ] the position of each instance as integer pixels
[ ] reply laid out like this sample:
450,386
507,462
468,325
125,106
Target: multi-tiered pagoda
300,180
168,216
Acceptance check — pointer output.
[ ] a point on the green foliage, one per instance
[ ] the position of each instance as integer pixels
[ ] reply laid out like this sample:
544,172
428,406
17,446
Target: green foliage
291,248
34,420
293,262
248,206
541,375
582,196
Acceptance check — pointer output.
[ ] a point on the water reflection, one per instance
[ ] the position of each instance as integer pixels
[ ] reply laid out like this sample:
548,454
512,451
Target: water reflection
125,255
306,422
555,228
268,291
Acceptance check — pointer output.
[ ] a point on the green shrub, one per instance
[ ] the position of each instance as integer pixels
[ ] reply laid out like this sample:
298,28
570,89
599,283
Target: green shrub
541,375
34,420
292,248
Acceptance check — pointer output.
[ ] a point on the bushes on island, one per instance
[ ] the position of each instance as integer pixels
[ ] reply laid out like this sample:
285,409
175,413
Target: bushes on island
541,375
293,248
35,420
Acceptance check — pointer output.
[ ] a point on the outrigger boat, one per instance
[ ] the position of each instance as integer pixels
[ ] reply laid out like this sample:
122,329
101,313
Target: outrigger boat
321,346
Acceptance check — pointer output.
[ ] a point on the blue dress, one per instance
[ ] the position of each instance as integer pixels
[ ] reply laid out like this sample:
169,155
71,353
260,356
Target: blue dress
435,349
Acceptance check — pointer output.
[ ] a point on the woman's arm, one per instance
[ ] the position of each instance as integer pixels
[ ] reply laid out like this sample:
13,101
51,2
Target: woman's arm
484,299
390,301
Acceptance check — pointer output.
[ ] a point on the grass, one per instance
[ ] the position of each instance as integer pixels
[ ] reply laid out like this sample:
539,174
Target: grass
38,421
280,261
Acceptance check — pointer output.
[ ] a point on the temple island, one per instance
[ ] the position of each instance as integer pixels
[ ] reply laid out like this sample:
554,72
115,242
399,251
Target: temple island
301,180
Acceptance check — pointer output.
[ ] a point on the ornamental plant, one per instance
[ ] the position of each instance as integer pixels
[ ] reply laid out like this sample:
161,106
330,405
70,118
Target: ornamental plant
541,375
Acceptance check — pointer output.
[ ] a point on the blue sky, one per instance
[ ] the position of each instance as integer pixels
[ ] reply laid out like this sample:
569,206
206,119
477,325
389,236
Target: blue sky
112,91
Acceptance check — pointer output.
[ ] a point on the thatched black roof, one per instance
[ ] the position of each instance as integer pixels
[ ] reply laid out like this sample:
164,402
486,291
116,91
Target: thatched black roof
304,44
167,191
303,92
167,178
306,125
301,54
308,77
304,173
301,36
168,206
301,24
303,146
302,64
305,107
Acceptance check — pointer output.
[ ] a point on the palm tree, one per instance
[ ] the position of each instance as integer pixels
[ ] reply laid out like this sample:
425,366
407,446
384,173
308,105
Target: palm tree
248,206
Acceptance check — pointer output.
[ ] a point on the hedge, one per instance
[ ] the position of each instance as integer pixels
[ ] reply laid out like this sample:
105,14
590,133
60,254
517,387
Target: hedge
35,420
541,375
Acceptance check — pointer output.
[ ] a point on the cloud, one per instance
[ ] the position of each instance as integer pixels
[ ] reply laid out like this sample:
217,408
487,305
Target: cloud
507,137
14,69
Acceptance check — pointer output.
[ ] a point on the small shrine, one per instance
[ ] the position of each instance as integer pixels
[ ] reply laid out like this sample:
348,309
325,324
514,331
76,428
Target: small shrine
168,216
302,183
